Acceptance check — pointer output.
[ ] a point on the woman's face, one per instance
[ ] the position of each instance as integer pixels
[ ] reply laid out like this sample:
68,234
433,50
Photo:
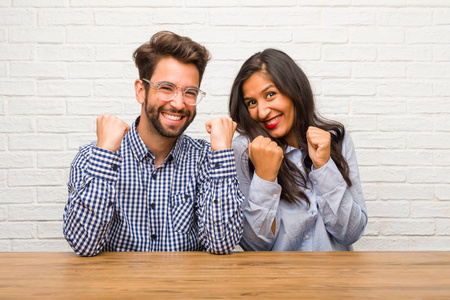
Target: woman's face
272,110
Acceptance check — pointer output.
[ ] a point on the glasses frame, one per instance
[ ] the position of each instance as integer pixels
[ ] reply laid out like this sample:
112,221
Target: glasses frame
158,85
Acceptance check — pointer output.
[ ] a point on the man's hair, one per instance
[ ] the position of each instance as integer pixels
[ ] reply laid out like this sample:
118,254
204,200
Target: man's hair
168,44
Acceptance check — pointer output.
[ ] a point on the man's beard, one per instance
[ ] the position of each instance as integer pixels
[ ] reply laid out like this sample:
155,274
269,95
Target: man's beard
153,117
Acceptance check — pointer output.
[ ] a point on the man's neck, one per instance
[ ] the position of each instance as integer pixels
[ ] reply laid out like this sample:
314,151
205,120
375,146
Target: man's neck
158,144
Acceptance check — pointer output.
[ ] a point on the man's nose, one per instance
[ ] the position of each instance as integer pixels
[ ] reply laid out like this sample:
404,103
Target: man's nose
178,101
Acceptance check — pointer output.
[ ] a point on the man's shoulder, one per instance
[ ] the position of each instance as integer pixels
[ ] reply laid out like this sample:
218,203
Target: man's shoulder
193,144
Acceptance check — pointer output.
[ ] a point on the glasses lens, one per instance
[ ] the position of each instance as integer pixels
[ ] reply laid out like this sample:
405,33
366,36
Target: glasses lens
191,95
166,91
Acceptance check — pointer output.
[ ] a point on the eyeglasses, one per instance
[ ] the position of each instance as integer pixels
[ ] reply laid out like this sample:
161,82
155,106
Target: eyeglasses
168,91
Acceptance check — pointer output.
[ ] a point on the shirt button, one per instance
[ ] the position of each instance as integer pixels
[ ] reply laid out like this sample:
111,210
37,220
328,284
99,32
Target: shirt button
152,206
215,201
315,182
274,196
110,203
306,191
299,165
115,167
306,236
217,166
154,176
153,236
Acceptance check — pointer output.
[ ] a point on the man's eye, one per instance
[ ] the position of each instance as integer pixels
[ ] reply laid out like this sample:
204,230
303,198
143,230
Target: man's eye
167,88
191,93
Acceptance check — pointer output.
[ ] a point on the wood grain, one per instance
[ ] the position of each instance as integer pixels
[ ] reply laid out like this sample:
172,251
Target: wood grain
197,275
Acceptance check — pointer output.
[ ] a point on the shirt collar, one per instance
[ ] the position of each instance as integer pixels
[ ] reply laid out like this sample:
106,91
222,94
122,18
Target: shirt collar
141,151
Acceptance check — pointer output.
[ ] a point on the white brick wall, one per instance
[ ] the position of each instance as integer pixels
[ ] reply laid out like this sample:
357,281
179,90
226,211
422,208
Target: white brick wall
382,67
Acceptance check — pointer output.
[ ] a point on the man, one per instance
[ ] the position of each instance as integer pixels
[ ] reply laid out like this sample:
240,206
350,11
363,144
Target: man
149,187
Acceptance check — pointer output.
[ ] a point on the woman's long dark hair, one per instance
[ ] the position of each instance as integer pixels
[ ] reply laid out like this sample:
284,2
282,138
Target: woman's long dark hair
290,80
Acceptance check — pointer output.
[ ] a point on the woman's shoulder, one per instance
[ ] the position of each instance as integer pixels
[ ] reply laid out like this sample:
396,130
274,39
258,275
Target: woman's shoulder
241,139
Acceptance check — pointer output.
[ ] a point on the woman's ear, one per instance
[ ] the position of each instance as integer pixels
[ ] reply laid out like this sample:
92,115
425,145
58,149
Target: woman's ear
140,91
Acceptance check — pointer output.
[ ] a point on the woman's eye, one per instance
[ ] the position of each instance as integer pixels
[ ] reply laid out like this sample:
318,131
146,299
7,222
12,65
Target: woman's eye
270,94
251,103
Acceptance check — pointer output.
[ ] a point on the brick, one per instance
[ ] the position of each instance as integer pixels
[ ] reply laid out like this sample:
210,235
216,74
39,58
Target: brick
211,34
34,106
2,178
427,35
182,16
405,88
95,70
17,17
32,177
326,3
48,212
37,35
379,70
330,105
405,17
52,194
39,245
38,69
114,89
94,107
17,88
65,124
402,53
405,158
429,175
405,192
442,227
12,195
326,69
385,174
2,106
367,157
392,243
357,123
408,123
3,70
429,243
50,230
2,142
66,16
14,230
442,123
41,3
129,17
441,157
226,16
442,89
376,36
429,141
36,142
75,141
297,17
347,16
256,36
5,246
329,35
383,3
64,53
349,53
441,53
372,228
3,213
349,88
16,160
428,70
267,3
55,160
99,3
16,124
428,3
422,106
407,227
199,3
388,209
442,192
380,106
94,35
113,54
64,88
380,140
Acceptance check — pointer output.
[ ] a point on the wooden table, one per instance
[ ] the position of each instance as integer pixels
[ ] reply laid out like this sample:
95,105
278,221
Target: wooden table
197,275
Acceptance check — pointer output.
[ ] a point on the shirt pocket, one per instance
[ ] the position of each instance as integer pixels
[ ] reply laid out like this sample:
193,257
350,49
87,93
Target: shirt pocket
182,209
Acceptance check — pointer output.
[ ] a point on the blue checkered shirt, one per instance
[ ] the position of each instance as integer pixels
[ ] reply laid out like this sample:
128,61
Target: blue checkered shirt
119,201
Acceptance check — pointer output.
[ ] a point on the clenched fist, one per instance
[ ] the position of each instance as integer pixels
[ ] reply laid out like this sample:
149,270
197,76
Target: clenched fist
221,130
266,157
318,146
110,131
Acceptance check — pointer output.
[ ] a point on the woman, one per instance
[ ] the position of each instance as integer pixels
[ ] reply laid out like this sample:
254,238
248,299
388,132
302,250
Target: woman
297,170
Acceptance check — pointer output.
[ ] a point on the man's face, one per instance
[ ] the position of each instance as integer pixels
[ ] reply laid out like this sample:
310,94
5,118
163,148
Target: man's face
171,118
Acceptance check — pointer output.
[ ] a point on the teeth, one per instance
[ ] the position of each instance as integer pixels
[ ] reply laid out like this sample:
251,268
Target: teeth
172,117
273,121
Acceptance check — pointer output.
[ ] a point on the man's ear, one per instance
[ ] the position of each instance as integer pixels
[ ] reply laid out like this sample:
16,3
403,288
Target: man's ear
140,91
